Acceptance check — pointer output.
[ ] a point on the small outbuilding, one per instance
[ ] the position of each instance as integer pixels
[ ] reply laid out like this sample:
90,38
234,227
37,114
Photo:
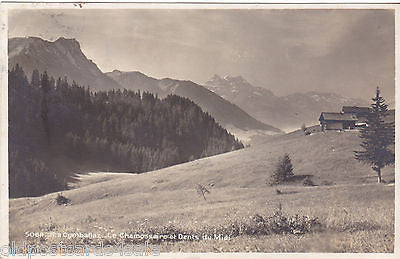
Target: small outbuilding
337,121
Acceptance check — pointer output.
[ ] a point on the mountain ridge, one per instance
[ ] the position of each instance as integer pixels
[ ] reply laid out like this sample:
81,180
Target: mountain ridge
288,111
62,57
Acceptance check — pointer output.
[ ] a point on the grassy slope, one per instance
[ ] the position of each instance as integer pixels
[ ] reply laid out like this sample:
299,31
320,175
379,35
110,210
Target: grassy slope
347,194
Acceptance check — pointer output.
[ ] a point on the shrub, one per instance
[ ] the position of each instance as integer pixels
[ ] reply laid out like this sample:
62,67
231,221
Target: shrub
202,190
305,130
308,182
62,200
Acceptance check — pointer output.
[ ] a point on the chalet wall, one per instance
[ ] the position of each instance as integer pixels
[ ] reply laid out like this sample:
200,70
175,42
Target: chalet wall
334,125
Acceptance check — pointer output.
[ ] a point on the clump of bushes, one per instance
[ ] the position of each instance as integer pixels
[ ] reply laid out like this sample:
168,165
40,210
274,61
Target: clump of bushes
276,223
279,223
257,225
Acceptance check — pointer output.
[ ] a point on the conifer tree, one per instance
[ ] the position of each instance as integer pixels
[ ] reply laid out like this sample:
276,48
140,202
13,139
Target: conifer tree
45,86
283,170
35,81
377,137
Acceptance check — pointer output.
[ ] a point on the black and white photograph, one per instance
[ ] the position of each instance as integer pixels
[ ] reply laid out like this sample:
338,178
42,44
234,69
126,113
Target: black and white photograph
151,129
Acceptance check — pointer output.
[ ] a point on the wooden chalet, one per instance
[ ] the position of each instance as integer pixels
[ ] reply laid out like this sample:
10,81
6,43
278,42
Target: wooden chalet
337,120
349,118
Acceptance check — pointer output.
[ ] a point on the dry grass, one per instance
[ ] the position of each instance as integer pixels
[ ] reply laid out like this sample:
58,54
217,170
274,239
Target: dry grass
356,213
339,230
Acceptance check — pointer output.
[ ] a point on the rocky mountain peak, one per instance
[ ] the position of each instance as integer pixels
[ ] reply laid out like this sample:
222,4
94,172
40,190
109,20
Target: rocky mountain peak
62,57
72,42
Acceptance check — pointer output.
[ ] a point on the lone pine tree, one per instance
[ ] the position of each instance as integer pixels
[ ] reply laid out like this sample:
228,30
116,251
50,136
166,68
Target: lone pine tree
283,170
377,137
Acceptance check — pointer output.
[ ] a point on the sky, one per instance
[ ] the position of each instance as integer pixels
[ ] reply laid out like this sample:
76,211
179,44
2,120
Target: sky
348,52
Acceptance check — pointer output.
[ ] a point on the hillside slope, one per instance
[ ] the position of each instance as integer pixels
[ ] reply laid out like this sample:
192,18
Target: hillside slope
123,202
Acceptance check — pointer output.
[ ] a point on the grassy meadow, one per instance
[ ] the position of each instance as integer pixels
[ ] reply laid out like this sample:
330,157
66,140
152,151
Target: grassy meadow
347,211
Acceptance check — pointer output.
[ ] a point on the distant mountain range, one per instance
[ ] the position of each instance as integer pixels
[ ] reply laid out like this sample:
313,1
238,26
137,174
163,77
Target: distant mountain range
64,57
287,112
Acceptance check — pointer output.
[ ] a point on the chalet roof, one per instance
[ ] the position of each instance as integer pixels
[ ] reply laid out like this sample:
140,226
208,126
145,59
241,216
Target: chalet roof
336,116
355,109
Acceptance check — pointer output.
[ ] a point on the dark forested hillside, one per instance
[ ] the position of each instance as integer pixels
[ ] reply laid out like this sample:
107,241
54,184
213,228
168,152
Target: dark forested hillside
57,128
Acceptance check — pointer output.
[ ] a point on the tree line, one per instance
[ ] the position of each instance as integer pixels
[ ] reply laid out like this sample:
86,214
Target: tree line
58,128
